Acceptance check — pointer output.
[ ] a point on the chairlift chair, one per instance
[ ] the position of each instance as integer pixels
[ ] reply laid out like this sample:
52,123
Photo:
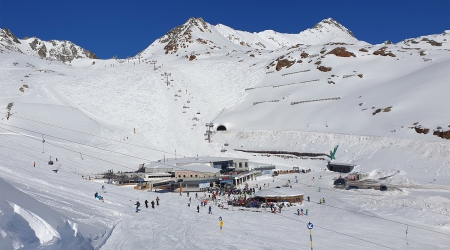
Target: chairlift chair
223,150
226,144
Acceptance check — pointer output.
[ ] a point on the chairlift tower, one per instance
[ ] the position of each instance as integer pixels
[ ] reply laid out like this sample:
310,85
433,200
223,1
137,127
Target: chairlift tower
166,75
208,133
154,64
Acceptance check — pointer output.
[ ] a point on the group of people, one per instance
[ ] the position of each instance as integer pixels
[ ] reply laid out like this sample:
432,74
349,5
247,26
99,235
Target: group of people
300,212
152,203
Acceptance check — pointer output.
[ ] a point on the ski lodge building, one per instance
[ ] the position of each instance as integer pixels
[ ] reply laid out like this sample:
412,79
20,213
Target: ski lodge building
284,194
191,171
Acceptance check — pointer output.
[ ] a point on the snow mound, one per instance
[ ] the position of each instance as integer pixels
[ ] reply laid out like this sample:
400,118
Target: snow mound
25,223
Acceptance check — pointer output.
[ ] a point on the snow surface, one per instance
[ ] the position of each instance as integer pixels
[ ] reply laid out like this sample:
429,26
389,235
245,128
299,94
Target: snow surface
87,113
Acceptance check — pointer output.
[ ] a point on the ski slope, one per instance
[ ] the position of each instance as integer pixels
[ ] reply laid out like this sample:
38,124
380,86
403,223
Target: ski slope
89,110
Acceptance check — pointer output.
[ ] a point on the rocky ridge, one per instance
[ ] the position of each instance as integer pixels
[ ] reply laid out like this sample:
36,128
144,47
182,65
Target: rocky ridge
64,51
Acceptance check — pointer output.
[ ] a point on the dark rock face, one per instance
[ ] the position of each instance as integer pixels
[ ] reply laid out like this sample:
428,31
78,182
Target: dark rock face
442,134
341,52
42,51
324,69
382,52
9,34
284,63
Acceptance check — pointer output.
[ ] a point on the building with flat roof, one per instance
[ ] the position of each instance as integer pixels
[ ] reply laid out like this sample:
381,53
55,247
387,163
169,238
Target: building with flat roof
283,194
191,171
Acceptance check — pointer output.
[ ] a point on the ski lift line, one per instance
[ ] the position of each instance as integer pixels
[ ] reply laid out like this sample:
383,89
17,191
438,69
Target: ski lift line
24,162
74,151
31,137
26,145
93,135
90,146
81,143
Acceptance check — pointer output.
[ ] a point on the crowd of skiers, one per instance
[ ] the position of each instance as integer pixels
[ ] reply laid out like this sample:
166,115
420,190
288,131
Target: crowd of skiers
239,199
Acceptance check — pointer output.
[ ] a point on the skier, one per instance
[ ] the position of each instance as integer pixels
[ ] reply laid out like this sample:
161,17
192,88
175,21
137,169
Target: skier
100,198
210,210
138,204
56,159
103,189
323,200
34,164
157,200
318,189
306,212
153,204
146,203
189,199
96,194
187,194
298,211
189,203
196,195
301,211
198,209
308,199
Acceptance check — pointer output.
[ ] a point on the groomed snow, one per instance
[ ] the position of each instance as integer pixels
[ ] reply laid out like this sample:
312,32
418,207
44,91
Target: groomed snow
88,114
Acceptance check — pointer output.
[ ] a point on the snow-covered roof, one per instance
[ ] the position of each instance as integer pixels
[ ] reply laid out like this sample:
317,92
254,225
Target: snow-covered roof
278,192
170,162
197,167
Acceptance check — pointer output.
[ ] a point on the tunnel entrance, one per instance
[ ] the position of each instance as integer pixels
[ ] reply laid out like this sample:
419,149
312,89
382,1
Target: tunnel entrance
221,128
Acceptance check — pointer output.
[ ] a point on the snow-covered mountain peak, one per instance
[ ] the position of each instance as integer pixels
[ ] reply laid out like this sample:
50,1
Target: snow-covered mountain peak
64,51
197,31
328,31
331,24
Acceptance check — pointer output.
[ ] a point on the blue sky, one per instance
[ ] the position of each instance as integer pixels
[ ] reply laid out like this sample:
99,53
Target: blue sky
124,28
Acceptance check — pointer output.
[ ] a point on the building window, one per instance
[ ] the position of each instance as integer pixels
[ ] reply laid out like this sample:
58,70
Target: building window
191,176
195,176
179,176
184,176
246,164
240,164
